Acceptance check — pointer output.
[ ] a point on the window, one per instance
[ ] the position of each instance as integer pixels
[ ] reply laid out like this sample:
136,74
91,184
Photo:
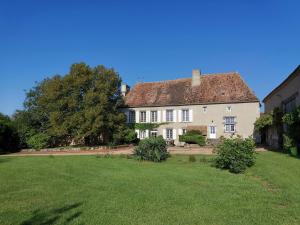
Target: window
131,118
153,116
289,105
185,115
143,116
204,109
142,134
183,131
228,108
154,133
169,133
169,115
229,124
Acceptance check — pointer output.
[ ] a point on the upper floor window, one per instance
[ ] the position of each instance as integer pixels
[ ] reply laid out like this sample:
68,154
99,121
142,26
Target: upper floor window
289,105
153,116
229,124
143,116
131,117
169,115
185,115
228,109
204,109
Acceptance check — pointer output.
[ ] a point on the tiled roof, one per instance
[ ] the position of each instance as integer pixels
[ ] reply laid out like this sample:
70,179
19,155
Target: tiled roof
214,88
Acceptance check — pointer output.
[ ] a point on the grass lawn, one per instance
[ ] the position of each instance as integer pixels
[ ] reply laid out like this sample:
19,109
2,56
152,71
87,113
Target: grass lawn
91,190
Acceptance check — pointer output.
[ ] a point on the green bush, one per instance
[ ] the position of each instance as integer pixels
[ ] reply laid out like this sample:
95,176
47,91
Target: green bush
9,138
235,154
294,151
193,137
152,149
39,141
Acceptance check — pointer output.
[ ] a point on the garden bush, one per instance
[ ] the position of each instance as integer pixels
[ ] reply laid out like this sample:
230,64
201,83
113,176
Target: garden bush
152,149
38,141
193,137
235,154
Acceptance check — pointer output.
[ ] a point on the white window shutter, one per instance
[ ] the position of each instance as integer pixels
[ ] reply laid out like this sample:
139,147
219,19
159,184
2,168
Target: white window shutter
164,133
158,116
164,116
146,133
147,116
191,115
180,131
137,116
174,134
138,133
179,115
174,115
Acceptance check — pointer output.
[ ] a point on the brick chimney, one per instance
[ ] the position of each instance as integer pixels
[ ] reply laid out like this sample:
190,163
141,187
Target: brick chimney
196,77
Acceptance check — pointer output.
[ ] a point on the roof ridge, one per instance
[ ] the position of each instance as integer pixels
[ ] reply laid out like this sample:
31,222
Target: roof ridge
188,78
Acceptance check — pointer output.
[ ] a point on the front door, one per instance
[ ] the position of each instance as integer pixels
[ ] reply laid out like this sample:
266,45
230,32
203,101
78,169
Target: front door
212,132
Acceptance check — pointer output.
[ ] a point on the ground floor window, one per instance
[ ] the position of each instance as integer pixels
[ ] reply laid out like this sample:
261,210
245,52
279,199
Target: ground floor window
230,124
142,134
154,133
169,133
183,131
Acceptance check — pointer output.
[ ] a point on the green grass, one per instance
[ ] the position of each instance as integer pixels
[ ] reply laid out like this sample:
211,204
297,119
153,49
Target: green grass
93,190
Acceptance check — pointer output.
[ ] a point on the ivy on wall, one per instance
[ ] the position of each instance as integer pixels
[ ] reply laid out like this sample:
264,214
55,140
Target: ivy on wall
145,126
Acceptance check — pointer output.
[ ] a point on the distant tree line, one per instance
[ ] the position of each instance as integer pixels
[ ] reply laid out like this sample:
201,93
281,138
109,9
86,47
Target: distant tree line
79,108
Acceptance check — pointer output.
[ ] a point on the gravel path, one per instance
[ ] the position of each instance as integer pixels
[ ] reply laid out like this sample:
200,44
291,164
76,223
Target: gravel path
120,151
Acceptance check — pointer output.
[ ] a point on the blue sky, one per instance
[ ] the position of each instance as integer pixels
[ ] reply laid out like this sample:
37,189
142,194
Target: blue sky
147,40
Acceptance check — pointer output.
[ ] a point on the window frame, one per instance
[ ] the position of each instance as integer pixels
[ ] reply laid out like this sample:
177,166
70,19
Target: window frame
185,114
143,119
152,113
229,124
131,116
169,118
169,136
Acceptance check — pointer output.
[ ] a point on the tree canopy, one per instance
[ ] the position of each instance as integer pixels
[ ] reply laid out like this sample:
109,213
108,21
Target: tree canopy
80,107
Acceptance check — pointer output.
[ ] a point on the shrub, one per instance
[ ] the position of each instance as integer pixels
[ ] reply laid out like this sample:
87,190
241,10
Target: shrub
235,154
192,158
39,141
193,137
152,149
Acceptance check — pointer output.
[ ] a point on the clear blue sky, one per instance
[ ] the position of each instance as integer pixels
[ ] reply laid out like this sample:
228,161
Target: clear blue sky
149,40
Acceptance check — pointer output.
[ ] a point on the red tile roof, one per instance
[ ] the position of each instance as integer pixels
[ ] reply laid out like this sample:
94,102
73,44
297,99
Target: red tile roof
214,88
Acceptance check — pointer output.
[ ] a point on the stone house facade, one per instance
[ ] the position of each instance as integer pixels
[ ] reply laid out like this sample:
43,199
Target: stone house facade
285,97
216,104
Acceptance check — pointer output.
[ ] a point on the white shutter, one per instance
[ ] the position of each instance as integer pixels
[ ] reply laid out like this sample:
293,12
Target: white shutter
179,115
138,133
174,115
164,116
147,116
146,133
180,131
137,116
174,134
191,115
158,116
164,133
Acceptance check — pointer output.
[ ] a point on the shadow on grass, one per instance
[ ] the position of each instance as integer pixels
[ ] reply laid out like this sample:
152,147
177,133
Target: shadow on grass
52,216
4,160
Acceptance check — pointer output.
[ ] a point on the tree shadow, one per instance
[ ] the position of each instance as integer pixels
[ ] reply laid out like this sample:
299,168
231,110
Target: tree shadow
4,160
52,216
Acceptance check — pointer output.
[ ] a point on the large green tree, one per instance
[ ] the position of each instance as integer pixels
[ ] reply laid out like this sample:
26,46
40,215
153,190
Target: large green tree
9,139
80,107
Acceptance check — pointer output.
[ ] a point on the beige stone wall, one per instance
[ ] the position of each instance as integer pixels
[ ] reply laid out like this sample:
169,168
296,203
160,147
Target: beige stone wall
286,91
245,115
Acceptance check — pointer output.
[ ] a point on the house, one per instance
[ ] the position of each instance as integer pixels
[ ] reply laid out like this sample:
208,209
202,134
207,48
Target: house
285,97
217,104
